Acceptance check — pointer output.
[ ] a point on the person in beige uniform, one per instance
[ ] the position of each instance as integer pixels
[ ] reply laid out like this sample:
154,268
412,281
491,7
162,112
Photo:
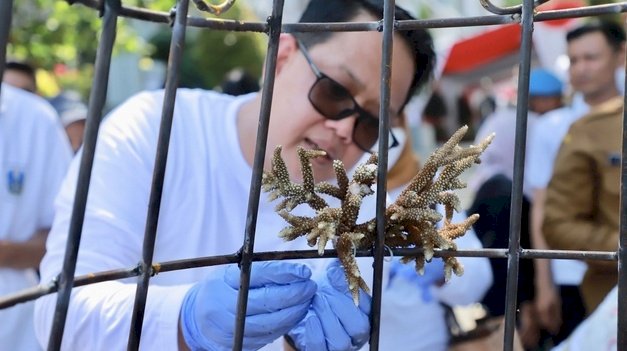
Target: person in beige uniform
582,199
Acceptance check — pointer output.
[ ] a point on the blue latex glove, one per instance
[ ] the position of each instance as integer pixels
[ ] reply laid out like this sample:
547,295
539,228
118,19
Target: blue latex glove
334,322
279,297
433,275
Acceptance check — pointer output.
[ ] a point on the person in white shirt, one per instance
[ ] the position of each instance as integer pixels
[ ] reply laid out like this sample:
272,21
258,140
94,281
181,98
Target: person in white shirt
34,157
492,183
410,299
598,331
326,97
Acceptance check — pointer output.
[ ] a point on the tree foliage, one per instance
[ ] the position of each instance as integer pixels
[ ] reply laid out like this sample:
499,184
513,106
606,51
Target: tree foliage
62,39
210,54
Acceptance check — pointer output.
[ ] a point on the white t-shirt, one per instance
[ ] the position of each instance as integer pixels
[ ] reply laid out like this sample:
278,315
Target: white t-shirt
544,144
203,213
34,156
597,332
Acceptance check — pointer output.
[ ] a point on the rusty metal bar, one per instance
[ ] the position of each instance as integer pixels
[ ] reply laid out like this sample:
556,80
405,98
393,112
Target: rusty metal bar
513,261
622,242
169,266
177,44
97,99
507,10
6,9
247,250
474,21
389,9
113,9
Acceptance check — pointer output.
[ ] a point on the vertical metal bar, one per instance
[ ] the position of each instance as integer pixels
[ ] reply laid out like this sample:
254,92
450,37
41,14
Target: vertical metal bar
6,11
622,242
384,126
94,113
513,259
177,44
275,21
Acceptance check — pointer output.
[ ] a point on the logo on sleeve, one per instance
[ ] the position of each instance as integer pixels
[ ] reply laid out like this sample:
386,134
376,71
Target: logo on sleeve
614,159
15,181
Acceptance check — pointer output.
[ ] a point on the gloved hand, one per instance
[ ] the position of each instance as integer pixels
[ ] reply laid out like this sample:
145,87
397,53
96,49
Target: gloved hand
333,321
433,275
279,297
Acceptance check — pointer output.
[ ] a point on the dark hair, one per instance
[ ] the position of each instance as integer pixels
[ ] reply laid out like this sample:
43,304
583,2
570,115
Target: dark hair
612,31
238,82
22,67
327,11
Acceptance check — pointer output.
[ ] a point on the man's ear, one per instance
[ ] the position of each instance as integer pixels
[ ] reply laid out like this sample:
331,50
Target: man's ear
287,47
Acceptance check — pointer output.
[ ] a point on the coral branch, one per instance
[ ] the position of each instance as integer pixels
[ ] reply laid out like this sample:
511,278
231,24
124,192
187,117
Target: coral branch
411,221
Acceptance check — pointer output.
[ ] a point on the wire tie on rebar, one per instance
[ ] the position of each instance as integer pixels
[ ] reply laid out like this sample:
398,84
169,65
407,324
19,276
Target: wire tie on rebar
391,257
172,16
156,269
214,9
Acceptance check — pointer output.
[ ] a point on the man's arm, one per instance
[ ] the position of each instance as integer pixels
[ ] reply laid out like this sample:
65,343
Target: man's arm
25,254
547,299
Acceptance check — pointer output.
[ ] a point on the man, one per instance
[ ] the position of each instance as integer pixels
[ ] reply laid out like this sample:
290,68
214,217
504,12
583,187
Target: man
20,75
557,301
545,94
34,156
206,190
582,198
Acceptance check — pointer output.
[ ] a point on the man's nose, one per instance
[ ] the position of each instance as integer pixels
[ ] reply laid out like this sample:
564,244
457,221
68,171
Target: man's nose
343,128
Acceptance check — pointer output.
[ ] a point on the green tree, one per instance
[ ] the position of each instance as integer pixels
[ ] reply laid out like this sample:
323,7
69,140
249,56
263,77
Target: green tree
60,38
210,54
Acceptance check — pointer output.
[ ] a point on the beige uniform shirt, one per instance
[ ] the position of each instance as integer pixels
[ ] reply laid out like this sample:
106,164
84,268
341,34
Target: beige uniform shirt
582,205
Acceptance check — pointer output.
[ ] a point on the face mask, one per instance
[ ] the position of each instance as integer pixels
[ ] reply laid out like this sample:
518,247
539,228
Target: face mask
395,153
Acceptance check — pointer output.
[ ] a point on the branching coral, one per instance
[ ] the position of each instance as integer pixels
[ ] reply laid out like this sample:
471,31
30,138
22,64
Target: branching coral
411,221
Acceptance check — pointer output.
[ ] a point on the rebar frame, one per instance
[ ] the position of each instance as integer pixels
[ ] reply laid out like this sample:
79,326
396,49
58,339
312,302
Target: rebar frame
524,14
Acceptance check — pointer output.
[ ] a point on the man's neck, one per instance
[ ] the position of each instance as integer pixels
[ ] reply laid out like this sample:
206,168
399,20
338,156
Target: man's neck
597,99
247,122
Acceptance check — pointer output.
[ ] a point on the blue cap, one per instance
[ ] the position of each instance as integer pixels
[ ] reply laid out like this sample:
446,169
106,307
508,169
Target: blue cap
544,83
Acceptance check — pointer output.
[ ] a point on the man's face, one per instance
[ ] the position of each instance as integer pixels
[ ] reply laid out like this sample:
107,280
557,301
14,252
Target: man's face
19,79
354,61
543,104
593,63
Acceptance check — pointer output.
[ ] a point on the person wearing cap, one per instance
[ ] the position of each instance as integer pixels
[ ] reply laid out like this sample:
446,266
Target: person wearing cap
557,307
545,91
492,184
72,113
545,94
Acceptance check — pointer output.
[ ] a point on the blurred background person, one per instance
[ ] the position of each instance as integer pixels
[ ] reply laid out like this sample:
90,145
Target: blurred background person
73,114
598,331
492,185
425,297
582,198
34,156
20,75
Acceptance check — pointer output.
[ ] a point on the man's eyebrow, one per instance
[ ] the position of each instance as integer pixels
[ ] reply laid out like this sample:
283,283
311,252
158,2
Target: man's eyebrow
355,79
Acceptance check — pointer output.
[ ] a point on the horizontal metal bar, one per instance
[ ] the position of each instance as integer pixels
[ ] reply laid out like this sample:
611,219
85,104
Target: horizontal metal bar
262,27
170,266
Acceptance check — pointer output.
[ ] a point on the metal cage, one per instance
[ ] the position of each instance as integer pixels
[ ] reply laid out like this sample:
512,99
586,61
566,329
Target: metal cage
525,15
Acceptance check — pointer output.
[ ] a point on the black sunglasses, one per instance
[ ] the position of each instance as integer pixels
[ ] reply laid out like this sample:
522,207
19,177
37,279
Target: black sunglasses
333,101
